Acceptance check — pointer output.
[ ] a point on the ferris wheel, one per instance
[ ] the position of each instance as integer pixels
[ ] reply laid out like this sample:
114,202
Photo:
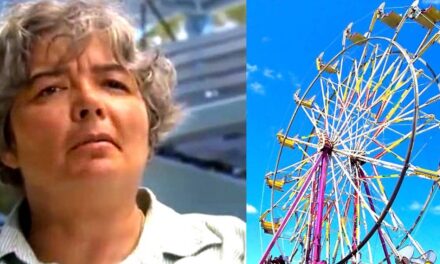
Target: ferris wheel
350,144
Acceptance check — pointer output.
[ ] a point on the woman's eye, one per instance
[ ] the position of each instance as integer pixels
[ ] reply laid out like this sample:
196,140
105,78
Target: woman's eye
115,85
49,91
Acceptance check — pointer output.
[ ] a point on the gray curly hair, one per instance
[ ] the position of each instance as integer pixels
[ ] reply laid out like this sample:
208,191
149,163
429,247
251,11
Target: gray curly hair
25,22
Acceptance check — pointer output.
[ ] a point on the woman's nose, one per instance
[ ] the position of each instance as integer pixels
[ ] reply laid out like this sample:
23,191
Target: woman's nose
87,103
85,112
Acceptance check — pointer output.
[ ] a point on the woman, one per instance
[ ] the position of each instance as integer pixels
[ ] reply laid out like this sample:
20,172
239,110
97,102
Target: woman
81,111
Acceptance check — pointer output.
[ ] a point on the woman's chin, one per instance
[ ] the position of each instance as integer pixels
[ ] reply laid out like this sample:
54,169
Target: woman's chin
96,167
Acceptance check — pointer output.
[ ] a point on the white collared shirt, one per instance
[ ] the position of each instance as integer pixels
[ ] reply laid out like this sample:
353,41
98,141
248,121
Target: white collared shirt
167,237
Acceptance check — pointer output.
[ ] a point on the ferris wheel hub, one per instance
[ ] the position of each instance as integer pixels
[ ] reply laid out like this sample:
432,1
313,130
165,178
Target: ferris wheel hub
356,157
325,144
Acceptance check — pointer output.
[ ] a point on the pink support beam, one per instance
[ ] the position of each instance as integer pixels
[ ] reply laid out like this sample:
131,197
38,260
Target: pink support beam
313,203
291,210
316,248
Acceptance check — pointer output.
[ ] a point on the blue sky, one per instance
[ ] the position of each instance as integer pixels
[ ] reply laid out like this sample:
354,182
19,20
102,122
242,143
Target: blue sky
283,40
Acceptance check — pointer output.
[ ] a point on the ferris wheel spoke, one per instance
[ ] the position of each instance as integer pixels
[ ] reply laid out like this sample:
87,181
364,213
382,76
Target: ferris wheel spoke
333,105
396,106
396,81
324,95
342,127
401,113
295,165
311,118
365,66
392,145
359,140
423,128
286,194
395,86
412,170
357,82
328,127
371,180
337,91
347,91
375,66
365,134
346,131
383,75
429,101
337,88
356,189
391,132
388,149
338,102
389,127
337,106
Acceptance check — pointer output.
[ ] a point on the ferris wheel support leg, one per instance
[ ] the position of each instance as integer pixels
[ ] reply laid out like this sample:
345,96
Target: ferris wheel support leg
291,209
316,249
370,201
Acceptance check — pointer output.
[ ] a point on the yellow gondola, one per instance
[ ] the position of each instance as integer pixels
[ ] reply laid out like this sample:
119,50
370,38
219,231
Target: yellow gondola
275,184
268,226
428,17
356,38
392,19
325,67
306,102
286,141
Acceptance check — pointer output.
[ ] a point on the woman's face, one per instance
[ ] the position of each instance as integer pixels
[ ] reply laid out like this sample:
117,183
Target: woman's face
80,120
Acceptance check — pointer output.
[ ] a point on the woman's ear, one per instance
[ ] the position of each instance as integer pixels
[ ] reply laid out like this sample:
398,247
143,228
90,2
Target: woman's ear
9,159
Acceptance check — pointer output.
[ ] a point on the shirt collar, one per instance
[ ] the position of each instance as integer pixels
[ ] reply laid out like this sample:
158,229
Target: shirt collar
12,239
174,233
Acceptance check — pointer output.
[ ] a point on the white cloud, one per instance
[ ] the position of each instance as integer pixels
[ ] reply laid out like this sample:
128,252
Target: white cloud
251,68
250,209
436,210
414,206
432,2
257,87
268,73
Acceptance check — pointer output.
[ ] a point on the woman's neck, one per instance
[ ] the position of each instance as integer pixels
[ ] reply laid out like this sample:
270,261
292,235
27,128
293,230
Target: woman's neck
93,228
